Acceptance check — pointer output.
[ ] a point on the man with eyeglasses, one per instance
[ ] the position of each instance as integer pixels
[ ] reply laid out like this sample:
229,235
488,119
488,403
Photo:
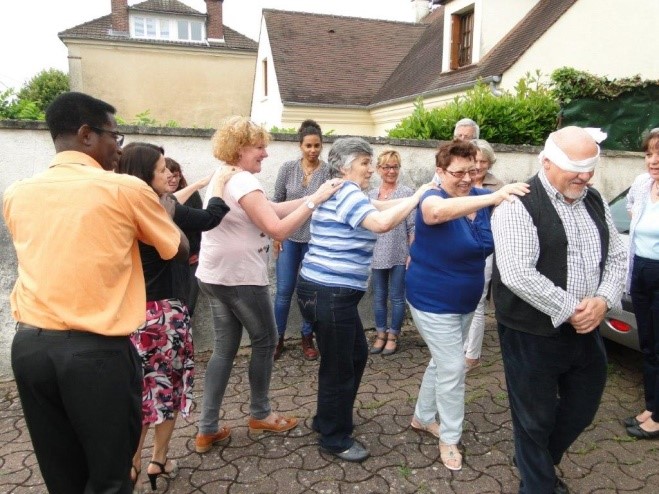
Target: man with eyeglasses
79,294
559,267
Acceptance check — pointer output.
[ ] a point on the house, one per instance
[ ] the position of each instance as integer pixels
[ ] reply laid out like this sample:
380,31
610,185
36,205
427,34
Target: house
166,58
359,76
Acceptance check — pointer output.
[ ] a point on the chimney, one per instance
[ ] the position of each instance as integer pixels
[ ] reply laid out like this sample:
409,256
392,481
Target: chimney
214,26
421,9
119,17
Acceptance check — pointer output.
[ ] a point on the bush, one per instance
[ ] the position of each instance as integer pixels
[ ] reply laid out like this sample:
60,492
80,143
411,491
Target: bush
525,116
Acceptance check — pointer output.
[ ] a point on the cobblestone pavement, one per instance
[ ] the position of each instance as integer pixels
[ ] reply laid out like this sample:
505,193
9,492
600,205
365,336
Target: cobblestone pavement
603,460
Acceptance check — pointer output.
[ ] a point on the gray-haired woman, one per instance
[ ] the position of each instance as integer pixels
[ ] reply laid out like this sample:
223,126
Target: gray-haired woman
333,280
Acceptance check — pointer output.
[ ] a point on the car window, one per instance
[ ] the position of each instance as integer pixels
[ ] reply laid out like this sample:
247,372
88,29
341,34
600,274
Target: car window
619,212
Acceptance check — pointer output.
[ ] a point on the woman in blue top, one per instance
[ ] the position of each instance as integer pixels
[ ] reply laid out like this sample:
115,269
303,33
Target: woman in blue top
444,282
333,280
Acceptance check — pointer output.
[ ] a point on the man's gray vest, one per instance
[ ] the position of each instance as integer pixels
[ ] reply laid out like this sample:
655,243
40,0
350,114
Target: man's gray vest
511,310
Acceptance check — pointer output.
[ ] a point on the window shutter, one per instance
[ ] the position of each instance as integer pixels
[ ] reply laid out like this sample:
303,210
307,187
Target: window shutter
455,41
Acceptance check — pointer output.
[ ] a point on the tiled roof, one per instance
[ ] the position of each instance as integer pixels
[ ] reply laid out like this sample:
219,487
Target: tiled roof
165,6
326,59
100,29
369,62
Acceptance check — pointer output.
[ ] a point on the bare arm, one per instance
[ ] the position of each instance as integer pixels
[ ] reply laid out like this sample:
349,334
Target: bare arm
185,193
436,210
263,214
383,221
183,252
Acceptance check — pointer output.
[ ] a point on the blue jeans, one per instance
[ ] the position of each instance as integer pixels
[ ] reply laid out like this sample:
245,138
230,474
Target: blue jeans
234,307
286,269
645,298
389,284
554,387
343,353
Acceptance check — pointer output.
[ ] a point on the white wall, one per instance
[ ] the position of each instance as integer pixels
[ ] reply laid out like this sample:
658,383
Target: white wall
604,37
266,110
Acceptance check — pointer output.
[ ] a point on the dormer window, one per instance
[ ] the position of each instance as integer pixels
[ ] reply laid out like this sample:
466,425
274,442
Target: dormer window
462,39
162,28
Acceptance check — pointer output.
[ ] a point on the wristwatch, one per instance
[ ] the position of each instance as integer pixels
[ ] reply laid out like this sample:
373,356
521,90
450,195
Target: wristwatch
311,205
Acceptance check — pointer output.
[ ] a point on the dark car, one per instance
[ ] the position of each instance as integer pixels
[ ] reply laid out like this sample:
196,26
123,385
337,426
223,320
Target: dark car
620,325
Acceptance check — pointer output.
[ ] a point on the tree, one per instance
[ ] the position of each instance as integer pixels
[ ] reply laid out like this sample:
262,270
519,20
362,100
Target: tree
44,87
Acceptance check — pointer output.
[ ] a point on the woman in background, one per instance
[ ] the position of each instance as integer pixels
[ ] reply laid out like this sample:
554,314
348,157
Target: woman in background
189,196
483,179
297,178
164,343
390,258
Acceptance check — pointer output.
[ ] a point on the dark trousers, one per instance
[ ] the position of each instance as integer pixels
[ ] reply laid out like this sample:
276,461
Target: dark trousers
82,399
343,353
554,388
645,298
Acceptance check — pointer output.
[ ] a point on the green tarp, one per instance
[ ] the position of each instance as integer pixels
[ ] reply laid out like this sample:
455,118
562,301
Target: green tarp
624,119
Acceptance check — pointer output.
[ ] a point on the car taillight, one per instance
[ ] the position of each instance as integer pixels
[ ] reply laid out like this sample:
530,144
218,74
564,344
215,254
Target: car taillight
619,325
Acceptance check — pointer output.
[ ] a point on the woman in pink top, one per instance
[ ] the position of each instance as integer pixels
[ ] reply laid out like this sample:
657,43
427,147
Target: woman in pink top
233,272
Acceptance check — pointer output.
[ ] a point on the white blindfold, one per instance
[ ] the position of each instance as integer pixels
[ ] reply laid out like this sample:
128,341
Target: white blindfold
556,155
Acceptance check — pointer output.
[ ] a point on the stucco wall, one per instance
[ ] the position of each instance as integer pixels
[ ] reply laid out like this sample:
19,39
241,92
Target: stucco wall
26,149
603,37
192,87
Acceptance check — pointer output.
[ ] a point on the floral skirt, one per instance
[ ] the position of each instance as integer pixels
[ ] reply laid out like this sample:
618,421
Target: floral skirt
165,347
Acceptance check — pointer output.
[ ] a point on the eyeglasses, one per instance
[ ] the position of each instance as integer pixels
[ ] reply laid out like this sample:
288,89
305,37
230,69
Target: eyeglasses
117,136
472,173
390,168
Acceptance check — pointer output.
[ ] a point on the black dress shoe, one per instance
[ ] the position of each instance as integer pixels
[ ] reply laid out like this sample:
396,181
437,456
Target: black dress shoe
631,422
355,453
560,487
639,433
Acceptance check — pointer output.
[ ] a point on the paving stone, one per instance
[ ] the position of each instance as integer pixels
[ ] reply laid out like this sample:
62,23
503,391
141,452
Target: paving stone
603,460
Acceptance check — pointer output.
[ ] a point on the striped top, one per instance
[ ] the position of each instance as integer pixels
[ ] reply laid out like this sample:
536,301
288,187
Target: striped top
340,250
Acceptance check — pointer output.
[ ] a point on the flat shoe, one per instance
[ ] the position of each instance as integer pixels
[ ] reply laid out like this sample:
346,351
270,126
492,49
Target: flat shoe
386,351
631,422
356,453
450,456
282,424
639,433
429,428
204,442
374,349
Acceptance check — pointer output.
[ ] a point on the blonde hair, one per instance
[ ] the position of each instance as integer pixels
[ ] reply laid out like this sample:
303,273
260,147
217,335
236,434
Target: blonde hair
233,135
384,156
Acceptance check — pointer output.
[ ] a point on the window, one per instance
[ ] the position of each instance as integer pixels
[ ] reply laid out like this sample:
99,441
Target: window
168,29
462,39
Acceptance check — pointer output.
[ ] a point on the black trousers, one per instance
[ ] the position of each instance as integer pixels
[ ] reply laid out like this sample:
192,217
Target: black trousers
81,397
554,388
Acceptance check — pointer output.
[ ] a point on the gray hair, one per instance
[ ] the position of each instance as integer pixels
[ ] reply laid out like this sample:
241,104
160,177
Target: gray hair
467,122
485,148
344,151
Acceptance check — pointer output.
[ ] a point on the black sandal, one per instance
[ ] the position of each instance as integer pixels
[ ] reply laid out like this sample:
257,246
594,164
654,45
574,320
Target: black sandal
154,476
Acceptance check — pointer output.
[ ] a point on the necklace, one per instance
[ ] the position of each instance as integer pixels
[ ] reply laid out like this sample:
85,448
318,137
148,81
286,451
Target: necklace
385,195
